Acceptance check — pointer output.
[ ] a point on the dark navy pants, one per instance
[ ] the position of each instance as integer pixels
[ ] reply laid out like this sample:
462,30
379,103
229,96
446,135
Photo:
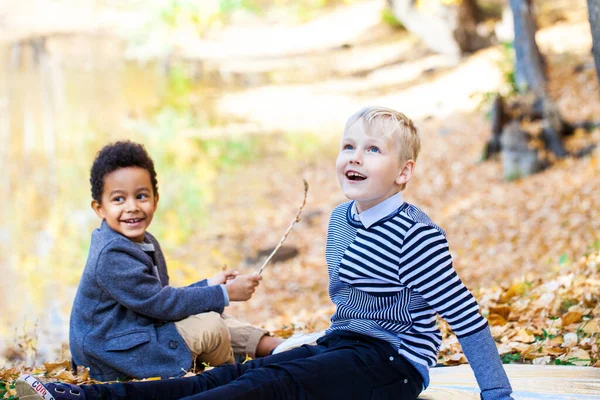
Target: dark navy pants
343,365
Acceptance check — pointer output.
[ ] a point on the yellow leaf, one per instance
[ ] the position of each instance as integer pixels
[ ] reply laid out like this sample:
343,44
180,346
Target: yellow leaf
579,357
66,376
524,336
83,374
503,311
592,326
571,317
53,369
554,351
496,319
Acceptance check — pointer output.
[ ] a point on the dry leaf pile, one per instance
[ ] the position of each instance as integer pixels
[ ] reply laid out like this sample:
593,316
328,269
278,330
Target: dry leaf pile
553,321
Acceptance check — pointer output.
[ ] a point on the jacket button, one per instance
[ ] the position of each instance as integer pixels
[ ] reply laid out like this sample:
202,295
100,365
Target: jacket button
173,344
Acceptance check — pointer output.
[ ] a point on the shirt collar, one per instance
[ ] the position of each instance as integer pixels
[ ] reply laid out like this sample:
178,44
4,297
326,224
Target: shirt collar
378,212
145,246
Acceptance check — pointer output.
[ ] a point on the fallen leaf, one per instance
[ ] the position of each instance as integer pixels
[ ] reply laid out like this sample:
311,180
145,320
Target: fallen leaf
592,326
52,369
496,319
542,360
571,317
524,336
579,357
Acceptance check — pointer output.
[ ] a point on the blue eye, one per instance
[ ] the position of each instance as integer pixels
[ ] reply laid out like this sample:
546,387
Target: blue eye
347,147
374,149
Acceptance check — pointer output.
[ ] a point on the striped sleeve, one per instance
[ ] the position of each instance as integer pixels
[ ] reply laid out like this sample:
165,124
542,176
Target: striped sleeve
426,267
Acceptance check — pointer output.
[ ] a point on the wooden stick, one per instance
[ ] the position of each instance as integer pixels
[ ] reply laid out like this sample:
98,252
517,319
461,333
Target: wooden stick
289,229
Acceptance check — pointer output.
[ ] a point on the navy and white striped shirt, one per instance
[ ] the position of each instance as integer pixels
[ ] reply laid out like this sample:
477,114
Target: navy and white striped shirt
390,275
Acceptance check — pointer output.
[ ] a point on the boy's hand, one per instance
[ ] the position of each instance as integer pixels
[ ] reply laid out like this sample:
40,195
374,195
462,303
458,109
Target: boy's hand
242,287
222,277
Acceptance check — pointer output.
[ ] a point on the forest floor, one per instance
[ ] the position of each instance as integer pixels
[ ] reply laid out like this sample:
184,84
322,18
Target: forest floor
529,249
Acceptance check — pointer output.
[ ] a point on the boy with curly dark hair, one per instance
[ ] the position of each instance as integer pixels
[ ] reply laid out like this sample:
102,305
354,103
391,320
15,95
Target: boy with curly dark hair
126,320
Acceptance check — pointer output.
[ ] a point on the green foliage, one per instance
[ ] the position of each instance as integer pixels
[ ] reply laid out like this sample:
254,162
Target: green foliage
303,146
178,88
545,335
516,175
231,154
227,7
563,260
571,361
388,18
507,66
4,391
565,304
510,358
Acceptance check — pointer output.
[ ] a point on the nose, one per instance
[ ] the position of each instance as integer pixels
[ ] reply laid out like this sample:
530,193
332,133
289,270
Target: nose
131,205
356,158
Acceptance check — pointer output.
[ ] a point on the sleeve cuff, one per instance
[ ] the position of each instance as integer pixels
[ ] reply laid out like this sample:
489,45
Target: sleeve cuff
225,295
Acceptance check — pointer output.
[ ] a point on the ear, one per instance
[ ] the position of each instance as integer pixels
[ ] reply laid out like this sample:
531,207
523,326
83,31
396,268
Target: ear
97,207
405,173
156,200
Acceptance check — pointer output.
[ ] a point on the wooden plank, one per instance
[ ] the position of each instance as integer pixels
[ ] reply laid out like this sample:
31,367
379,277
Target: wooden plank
528,382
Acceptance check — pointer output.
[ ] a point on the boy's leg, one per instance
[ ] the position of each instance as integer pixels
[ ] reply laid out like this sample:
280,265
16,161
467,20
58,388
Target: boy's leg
245,337
207,336
343,367
177,388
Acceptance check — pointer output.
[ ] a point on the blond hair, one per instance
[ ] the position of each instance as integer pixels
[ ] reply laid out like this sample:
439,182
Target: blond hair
390,124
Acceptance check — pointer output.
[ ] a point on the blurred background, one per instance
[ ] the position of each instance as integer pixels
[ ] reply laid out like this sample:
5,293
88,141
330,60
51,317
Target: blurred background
237,101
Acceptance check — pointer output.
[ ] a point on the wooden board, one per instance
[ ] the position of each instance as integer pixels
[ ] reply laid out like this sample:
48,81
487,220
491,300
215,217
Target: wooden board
528,382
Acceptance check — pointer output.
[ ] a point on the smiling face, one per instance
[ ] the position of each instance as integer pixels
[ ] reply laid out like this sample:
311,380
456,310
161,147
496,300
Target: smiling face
368,167
128,202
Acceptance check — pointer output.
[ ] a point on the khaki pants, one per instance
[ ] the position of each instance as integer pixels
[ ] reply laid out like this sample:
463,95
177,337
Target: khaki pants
213,338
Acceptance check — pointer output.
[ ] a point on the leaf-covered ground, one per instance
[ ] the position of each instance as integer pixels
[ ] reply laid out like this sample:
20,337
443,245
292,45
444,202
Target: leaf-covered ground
528,249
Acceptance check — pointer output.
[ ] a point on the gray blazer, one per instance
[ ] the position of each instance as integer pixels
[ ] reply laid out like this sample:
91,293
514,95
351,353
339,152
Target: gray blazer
122,317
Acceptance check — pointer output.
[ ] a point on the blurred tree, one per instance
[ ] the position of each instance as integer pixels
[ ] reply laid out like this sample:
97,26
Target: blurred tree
594,16
530,74
445,26
510,129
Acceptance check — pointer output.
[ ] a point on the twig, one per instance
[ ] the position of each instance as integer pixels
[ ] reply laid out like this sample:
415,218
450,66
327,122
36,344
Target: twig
289,229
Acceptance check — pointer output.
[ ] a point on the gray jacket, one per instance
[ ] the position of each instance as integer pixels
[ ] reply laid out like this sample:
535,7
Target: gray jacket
122,316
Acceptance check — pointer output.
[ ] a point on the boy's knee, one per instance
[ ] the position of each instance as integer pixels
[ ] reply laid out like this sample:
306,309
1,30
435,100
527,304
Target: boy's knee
213,324
207,337
204,333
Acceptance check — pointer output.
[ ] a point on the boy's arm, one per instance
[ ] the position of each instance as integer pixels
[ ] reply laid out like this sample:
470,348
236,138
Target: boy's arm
482,354
426,267
127,279
202,283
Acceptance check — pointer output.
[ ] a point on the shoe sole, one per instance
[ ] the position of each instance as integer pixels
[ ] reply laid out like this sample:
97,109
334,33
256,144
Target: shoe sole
26,392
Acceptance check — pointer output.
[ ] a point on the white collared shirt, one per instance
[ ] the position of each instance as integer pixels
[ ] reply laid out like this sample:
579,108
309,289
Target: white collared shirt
376,213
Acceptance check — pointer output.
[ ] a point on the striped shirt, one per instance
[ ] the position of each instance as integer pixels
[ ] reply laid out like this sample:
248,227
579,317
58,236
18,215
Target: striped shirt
389,277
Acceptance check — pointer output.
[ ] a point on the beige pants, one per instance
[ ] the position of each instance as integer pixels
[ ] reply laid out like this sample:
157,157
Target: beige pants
213,338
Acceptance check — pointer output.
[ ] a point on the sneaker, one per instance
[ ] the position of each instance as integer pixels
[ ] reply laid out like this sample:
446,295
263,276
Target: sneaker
298,340
29,388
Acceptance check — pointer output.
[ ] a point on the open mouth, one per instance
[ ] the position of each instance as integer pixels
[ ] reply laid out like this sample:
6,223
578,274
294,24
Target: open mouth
132,220
355,176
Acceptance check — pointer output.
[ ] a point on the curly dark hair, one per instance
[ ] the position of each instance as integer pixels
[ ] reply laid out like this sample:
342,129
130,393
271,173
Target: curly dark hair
117,155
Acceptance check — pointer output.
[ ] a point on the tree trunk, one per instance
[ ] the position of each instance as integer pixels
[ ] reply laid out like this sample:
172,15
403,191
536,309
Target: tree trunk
465,32
530,73
445,28
594,16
